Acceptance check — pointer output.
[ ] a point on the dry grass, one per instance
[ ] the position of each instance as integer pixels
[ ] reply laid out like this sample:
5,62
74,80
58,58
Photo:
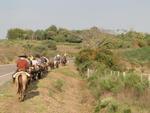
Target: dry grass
44,97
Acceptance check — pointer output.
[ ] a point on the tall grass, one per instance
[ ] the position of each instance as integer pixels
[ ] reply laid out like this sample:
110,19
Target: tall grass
130,86
141,55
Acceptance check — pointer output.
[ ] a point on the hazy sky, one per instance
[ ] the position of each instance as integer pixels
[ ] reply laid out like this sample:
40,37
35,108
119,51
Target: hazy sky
74,14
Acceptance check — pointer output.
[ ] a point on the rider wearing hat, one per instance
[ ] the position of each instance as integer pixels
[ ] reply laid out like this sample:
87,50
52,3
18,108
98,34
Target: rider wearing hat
22,63
22,66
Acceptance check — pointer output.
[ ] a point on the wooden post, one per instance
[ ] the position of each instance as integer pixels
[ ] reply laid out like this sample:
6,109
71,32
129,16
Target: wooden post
111,73
124,74
149,77
88,73
118,73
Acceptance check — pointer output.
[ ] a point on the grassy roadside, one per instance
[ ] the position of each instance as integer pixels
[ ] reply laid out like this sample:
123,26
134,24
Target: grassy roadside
61,91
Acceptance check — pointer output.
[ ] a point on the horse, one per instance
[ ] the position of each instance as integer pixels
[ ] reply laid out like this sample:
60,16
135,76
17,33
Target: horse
56,63
51,64
21,81
34,71
63,61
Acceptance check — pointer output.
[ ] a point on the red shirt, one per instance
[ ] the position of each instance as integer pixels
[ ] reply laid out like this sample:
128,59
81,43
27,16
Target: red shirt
22,65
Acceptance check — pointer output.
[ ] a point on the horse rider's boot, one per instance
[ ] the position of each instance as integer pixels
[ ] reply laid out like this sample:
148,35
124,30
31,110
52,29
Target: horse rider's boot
13,80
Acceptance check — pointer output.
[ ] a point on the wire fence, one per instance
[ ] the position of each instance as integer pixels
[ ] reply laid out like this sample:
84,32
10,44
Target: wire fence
118,73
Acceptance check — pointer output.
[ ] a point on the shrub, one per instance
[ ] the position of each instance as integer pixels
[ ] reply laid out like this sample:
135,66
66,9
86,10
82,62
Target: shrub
60,38
73,39
90,58
112,84
134,81
49,44
109,104
141,43
39,49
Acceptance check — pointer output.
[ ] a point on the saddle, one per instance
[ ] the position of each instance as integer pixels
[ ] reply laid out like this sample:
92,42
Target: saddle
21,72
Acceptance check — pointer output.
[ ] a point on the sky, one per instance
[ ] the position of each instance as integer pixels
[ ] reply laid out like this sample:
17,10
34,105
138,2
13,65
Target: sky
74,14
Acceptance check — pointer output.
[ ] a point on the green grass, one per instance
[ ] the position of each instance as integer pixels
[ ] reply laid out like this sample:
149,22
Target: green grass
68,72
58,84
141,55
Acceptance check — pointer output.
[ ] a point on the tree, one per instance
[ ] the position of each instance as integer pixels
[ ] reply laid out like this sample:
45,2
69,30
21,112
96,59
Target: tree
15,33
39,35
51,32
52,28
28,34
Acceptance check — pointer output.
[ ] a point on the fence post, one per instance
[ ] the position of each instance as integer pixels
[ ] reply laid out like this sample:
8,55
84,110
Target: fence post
124,74
88,73
118,73
149,78
111,73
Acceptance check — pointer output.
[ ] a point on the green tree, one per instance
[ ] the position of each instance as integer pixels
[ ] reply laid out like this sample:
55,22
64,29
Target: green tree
16,33
51,32
39,35
28,34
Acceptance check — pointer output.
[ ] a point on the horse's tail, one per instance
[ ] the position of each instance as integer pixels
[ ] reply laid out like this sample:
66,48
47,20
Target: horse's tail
20,85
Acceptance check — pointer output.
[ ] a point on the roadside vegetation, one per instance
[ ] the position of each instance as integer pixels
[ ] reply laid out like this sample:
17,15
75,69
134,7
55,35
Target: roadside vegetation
58,92
116,93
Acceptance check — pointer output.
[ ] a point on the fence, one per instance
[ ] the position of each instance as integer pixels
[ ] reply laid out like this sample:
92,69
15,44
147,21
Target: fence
118,73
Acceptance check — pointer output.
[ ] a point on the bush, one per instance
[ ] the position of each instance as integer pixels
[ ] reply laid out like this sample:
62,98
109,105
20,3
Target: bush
134,81
60,38
101,82
90,58
49,44
39,49
112,84
141,43
127,110
73,39
109,104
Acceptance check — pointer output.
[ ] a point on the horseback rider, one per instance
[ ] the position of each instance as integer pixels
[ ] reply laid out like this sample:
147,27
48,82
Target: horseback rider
64,59
30,58
57,58
22,65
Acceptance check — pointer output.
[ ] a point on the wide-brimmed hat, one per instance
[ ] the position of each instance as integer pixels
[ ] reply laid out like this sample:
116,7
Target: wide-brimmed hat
24,56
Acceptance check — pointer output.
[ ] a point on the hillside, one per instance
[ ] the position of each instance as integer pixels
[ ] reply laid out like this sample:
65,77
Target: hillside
11,49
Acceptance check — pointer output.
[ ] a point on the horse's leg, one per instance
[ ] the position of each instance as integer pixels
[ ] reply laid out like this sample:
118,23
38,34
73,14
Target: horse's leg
24,88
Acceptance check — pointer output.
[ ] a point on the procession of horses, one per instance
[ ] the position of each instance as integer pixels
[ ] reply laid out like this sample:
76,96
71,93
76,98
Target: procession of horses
32,68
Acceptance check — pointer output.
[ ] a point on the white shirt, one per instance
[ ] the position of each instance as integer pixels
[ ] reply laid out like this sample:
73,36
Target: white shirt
34,62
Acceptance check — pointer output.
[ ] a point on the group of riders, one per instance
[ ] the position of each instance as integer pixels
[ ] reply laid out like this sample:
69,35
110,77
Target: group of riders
30,68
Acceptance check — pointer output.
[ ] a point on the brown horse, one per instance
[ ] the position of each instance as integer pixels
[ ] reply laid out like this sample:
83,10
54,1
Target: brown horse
63,60
51,64
56,64
21,81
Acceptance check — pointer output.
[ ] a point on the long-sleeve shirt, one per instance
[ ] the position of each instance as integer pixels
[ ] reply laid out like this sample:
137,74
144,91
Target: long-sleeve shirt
22,64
